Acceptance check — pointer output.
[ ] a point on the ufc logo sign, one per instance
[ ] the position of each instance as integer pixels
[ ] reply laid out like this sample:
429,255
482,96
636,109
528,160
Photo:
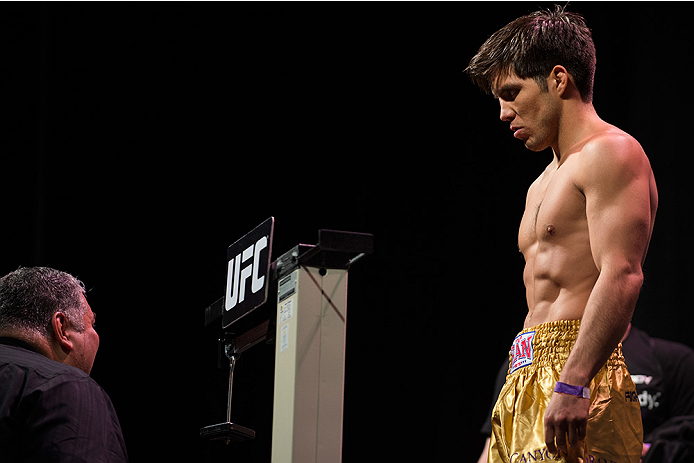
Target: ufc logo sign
248,267
237,277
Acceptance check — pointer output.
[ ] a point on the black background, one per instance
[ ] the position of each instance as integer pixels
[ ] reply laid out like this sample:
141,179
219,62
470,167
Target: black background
140,140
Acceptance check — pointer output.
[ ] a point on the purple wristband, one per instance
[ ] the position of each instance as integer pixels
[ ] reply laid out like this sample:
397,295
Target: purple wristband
579,391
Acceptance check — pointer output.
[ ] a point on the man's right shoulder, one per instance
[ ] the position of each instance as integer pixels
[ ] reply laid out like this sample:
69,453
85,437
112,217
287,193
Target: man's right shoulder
37,369
62,410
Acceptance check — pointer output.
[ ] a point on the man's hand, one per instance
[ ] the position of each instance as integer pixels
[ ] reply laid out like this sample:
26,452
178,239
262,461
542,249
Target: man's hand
566,419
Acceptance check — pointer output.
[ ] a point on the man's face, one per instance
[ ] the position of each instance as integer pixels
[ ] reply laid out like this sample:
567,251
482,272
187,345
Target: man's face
531,111
86,343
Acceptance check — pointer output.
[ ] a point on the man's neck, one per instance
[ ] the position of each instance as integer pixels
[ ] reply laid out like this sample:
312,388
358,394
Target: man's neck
10,341
578,123
35,341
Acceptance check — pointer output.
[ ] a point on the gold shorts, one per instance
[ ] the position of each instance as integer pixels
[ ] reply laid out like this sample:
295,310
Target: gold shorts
614,432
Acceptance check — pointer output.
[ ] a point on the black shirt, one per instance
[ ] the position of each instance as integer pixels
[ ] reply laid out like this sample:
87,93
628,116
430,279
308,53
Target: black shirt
51,412
663,372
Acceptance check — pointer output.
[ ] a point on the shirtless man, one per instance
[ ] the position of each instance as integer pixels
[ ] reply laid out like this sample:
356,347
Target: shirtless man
584,235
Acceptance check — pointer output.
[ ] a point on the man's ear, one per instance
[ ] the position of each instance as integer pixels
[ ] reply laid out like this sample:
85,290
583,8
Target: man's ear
59,323
559,79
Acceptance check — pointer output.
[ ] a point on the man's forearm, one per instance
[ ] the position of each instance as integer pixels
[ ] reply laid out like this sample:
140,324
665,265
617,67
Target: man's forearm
605,319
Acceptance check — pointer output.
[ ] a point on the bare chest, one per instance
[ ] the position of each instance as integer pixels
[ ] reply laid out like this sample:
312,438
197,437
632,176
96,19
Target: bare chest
555,209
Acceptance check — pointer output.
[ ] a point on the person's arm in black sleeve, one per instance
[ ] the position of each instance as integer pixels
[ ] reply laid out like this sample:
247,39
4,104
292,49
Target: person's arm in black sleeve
678,366
677,362
73,421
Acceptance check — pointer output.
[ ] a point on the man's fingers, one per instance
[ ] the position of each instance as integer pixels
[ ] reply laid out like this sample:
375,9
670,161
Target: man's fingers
549,439
582,429
560,438
573,435
577,432
565,423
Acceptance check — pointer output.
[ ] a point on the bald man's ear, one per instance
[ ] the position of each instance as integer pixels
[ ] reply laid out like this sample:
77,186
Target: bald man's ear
59,325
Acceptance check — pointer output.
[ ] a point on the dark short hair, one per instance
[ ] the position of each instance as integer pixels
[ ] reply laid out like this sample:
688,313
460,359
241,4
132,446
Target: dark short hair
30,296
532,45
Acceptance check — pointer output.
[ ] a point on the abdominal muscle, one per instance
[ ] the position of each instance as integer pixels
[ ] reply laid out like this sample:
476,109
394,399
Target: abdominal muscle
558,282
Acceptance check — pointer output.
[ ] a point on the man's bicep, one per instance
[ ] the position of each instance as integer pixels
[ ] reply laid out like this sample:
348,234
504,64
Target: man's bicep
618,210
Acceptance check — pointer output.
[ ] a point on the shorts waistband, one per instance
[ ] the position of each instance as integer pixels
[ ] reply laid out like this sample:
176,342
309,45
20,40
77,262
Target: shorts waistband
552,343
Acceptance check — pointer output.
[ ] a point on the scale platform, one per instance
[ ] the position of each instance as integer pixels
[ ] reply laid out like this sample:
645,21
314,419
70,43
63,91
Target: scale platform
227,431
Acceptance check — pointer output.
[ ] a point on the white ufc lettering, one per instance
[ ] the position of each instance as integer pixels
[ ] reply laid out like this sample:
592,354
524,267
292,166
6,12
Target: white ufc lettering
237,276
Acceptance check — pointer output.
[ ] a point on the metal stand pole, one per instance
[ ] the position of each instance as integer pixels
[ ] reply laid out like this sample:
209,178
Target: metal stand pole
230,352
228,431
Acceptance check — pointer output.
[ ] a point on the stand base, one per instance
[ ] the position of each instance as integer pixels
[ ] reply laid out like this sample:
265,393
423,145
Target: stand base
228,431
